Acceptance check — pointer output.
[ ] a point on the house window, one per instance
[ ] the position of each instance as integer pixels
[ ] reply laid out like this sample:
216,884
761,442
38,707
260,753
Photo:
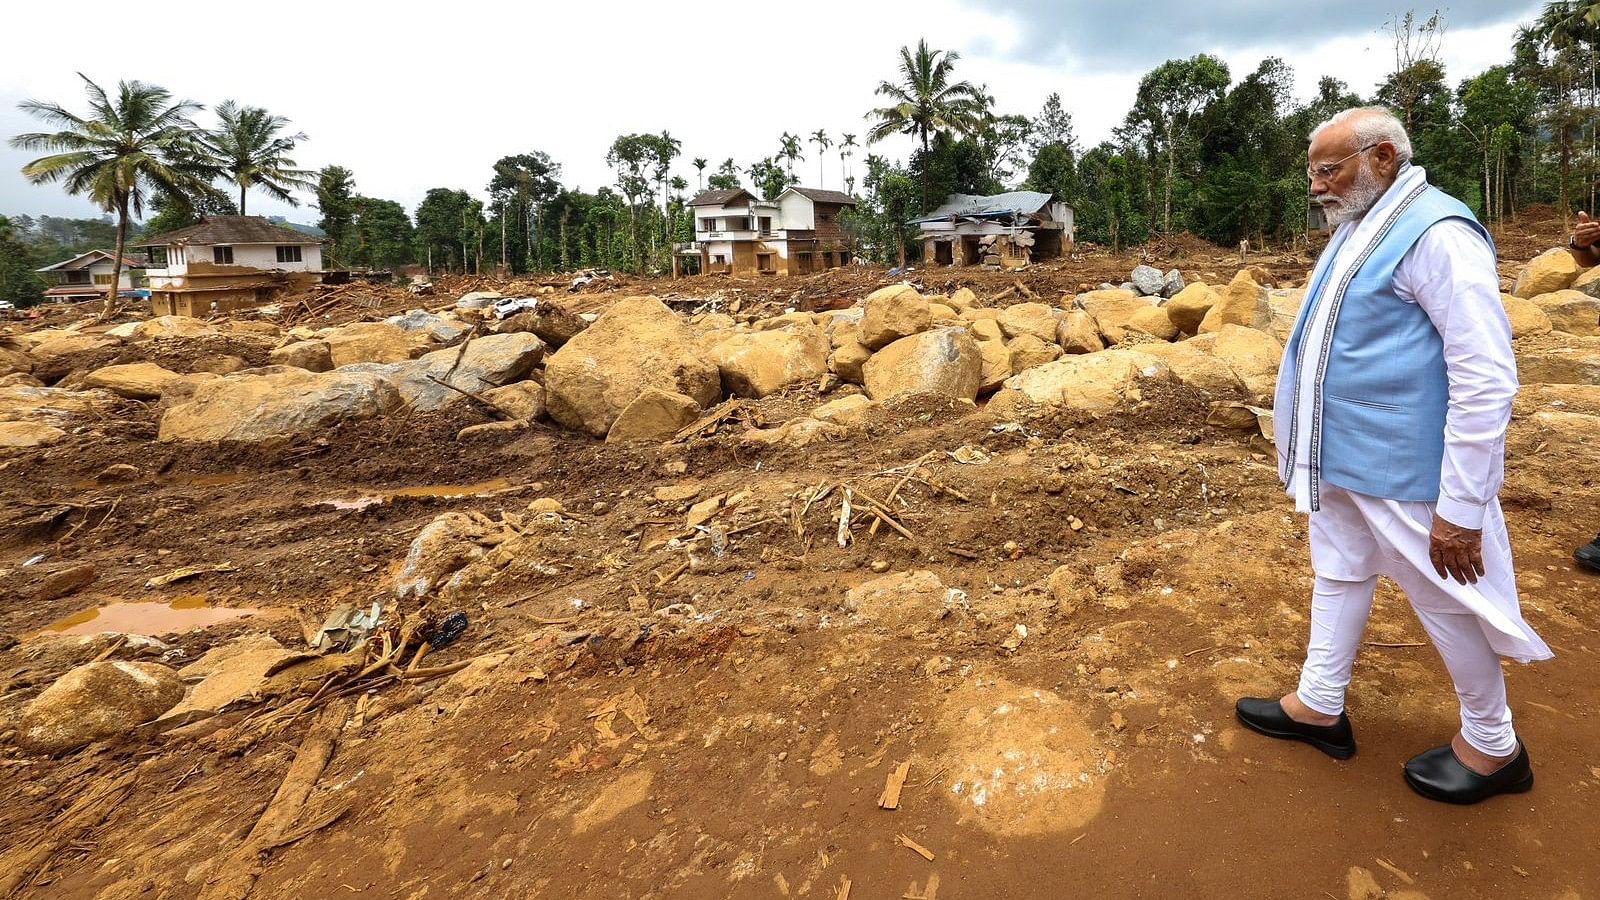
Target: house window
766,224
739,223
222,256
78,277
718,259
844,257
764,263
708,224
103,279
289,254
803,263
156,257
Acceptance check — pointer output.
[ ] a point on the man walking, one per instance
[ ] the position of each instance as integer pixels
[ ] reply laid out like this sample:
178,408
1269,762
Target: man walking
1392,406
1584,245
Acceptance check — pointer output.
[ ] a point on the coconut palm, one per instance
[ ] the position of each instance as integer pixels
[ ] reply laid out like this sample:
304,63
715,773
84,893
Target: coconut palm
926,102
248,147
127,147
820,138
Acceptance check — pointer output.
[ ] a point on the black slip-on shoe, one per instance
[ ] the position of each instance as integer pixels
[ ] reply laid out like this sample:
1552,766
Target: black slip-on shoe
1588,555
1267,717
1438,775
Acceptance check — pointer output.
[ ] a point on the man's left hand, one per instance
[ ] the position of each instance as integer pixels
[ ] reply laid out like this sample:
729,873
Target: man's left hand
1456,552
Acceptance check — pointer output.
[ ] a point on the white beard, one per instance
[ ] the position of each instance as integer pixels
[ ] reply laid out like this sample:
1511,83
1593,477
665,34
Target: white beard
1363,194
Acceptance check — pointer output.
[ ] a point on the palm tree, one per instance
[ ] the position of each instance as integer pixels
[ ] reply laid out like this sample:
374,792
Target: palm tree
926,102
127,147
820,138
845,146
700,167
250,150
790,151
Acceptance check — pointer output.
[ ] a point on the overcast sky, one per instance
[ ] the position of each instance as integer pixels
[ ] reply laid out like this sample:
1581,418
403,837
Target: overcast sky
412,96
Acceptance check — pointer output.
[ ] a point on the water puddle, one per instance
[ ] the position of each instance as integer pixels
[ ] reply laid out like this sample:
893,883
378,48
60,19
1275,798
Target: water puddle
431,491
150,619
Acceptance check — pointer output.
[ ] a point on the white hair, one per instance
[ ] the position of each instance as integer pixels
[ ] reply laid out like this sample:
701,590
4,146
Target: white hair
1371,125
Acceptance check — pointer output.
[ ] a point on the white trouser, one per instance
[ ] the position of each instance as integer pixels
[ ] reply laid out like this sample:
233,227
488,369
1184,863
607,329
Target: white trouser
1339,611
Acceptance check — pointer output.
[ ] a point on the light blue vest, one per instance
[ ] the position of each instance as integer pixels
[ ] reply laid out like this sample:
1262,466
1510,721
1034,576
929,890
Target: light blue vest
1384,392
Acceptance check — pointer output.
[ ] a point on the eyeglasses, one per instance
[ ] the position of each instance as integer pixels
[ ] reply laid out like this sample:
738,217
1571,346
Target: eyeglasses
1327,170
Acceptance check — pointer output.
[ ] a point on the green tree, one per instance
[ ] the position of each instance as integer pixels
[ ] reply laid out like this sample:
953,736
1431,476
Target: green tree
446,228
700,164
820,138
1168,97
19,284
339,204
768,177
925,99
1053,125
726,178
789,151
253,153
521,184
383,234
125,148
630,157
847,146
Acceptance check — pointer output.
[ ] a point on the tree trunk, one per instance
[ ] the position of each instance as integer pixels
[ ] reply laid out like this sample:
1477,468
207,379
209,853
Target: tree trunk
111,306
1172,168
505,263
242,190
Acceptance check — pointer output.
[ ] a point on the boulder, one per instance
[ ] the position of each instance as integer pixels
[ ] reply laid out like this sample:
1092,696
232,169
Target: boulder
14,362
523,400
1286,303
1242,302
1551,271
1077,333
1172,284
636,344
1147,280
313,356
555,324
230,673
986,330
219,364
1193,364
842,331
433,325
1526,316
996,366
376,342
1188,308
1028,351
1111,311
802,431
976,313
654,415
1095,383
765,362
50,343
485,362
962,298
1253,355
903,599
1153,320
851,411
172,327
261,407
477,300
444,546
847,361
945,361
1036,319
54,405
135,381
1588,282
64,581
1578,362
97,701
939,314
17,435
1571,311
892,313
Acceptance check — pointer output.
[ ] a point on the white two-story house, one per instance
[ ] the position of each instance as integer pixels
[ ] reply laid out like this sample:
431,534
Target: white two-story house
88,276
795,233
225,263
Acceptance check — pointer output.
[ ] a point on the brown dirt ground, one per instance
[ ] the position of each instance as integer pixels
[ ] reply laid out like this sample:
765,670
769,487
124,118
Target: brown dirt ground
1099,758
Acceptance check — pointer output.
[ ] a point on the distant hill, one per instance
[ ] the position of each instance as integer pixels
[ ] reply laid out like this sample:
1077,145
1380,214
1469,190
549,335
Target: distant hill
312,230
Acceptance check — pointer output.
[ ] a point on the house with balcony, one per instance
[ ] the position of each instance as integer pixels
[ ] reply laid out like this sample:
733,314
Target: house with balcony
794,233
88,276
226,263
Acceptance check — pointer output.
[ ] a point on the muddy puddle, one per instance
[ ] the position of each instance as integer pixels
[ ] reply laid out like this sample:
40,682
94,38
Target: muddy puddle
150,619
431,491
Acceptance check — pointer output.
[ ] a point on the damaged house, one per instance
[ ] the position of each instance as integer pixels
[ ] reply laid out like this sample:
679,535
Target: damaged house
88,276
795,233
1010,230
226,263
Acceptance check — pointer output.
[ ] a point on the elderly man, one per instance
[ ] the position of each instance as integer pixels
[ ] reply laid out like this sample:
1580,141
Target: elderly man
1392,406
1584,245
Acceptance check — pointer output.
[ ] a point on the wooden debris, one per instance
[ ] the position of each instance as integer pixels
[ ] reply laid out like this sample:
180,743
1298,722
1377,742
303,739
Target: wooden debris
19,865
890,798
843,535
494,410
915,847
185,573
1396,871
710,421
844,889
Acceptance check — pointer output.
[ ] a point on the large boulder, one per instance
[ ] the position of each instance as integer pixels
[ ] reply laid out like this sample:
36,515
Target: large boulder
847,361
1193,364
1077,333
1588,282
1172,284
764,362
14,361
135,381
1525,316
173,327
1035,319
486,362
1147,280
261,407
996,366
1095,383
1551,271
51,343
636,344
654,415
1111,310
97,701
313,356
1253,355
523,400
1154,321
1571,311
1286,303
892,313
432,324
1242,302
375,342
18,435
52,405
1188,308
1028,351
986,329
1577,361
945,361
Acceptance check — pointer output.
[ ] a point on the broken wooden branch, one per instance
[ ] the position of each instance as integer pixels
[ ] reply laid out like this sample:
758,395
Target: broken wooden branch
18,867
493,409
892,785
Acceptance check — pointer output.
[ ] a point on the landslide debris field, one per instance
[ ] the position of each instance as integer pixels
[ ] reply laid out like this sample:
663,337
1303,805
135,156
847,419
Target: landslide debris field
757,601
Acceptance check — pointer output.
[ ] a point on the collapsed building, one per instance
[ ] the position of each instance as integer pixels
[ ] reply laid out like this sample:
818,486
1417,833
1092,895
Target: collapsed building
795,233
226,263
1011,230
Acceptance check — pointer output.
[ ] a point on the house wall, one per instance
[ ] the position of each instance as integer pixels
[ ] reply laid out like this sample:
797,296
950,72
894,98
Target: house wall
797,211
101,270
261,256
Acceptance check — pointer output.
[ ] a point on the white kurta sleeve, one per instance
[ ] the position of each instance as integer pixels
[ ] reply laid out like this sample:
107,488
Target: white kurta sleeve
1450,273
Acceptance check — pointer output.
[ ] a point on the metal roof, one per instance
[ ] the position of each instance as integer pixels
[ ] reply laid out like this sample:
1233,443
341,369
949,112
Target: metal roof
973,206
85,260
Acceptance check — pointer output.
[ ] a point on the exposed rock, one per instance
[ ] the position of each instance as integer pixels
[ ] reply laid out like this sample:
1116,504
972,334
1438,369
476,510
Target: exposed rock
486,362
636,344
851,412
1096,383
963,298
1253,355
172,327
61,582
654,415
313,356
1077,333
1111,311
1147,280
219,364
1526,317
435,326
14,361
764,362
1242,302
28,435
1192,364
50,343
1153,320
1286,303
523,400
259,407
794,434
229,673
135,381
986,329
377,342
847,361
977,313
1028,351
842,331
97,701
945,361
1188,308
904,599
53,405
445,545
1551,271
1578,362
1172,284
1036,319
943,315
892,313
484,429
477,300
996,365
1571,311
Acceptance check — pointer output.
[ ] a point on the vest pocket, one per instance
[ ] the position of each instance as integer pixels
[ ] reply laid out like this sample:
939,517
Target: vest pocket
1369,404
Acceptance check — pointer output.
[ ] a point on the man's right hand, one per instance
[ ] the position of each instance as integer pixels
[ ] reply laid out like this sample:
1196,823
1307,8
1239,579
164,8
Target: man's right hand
1587,232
